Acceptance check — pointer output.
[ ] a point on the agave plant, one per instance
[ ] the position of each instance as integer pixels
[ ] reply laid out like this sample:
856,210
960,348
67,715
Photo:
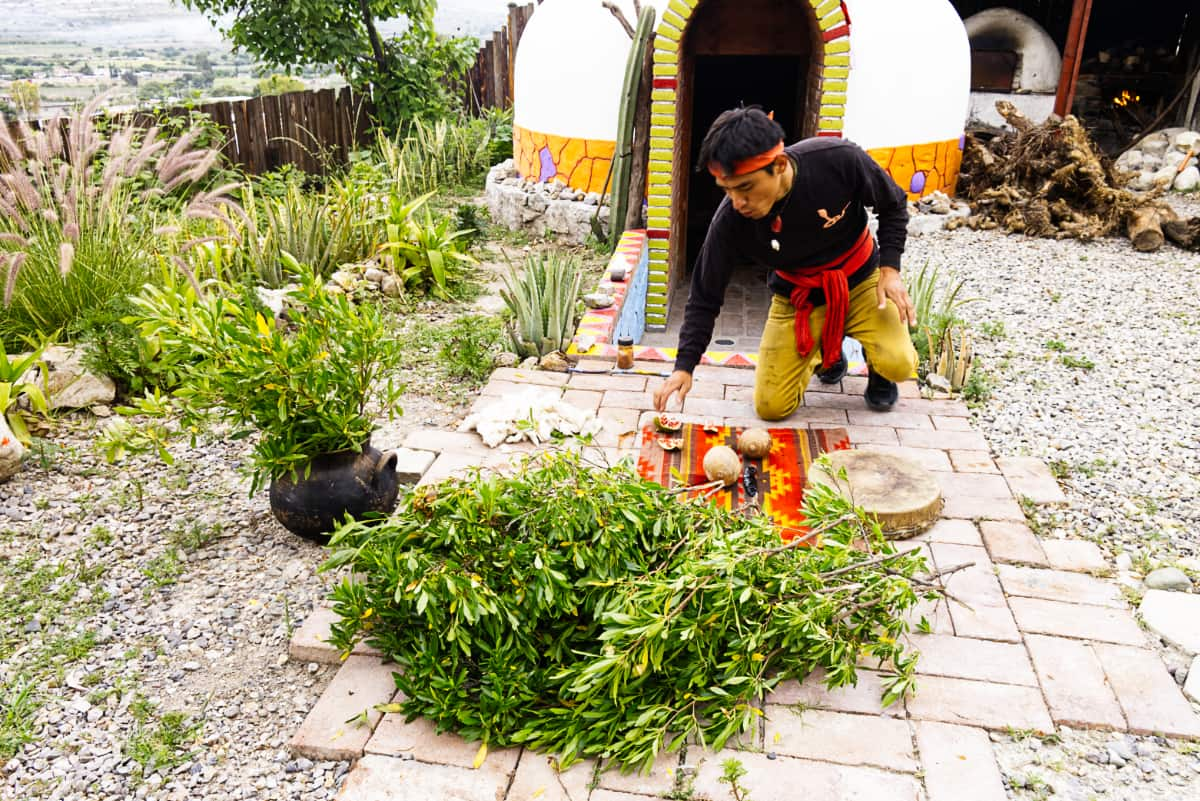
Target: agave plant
543,299
79,210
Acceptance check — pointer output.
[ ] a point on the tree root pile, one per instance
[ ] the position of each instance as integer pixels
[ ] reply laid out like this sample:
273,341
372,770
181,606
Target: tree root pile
1047,180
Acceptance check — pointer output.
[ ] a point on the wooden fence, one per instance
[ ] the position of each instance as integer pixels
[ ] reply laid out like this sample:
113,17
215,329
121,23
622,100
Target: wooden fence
490,80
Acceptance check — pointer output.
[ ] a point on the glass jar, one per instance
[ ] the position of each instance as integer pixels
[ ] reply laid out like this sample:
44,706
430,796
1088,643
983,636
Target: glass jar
625,353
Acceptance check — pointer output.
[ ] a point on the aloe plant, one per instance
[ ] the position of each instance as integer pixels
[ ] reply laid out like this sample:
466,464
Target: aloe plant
543,299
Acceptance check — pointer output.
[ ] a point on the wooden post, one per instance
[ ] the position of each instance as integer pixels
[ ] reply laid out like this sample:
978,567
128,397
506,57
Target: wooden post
1081,12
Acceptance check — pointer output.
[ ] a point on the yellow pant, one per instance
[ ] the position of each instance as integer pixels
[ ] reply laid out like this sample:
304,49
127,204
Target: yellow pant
783,374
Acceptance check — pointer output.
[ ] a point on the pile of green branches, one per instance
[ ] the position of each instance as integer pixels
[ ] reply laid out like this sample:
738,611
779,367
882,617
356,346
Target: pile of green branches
584,611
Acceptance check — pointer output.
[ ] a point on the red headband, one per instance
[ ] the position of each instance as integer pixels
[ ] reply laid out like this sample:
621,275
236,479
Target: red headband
747,166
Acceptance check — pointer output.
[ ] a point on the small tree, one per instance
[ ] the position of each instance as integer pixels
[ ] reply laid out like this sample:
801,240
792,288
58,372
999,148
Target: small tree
25,97
412,74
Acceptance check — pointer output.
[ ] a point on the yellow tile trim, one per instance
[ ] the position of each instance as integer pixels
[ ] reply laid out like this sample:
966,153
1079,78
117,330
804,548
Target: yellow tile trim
831,20
666,70
827,6
830,124
663,95
838,46
838,60
833,111
835,72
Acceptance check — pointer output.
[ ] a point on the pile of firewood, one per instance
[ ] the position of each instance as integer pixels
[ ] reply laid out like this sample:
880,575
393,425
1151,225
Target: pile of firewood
1047,180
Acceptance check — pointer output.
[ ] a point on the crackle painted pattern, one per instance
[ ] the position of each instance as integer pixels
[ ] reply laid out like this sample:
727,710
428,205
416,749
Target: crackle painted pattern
833,20
581,164
921,169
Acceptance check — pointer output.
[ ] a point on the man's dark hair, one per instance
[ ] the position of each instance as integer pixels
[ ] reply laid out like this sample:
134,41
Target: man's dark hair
738,134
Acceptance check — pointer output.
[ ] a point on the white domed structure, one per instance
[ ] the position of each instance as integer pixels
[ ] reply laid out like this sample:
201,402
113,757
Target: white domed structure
892,76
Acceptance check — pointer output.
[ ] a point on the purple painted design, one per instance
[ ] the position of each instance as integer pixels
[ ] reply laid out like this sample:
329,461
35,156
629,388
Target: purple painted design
549,170
962,142
918,182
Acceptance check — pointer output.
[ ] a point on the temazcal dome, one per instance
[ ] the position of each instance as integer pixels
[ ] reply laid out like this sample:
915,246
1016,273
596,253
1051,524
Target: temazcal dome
892,76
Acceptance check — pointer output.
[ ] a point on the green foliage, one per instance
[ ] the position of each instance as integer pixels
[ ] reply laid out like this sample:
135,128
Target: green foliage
1077,362
78,219
430,156
19,704
25,97
114,347
732,771
470,347
160,742
305,390
278,84
12,385
543,299
584,611
978,387
412,74
427,256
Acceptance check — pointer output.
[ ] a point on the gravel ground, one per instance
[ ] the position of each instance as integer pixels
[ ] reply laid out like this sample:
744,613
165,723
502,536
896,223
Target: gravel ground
148,608
1121,434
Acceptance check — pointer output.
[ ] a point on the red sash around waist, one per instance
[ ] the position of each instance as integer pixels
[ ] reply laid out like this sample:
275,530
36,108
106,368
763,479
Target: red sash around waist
830,278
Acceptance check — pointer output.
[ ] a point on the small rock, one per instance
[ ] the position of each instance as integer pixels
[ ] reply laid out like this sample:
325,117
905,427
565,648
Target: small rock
1124,561
555,362
101,410
591,199
1188,140
191,666
390,286
505,359
1187,180
1122,749
374,275
1171,579
529,363
1115,758
1155,144
598,300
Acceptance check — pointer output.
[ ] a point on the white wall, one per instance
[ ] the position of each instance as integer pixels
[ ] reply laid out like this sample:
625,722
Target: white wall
1040,65
910,73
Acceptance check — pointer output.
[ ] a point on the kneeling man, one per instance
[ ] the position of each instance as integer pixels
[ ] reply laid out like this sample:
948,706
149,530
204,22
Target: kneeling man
800,212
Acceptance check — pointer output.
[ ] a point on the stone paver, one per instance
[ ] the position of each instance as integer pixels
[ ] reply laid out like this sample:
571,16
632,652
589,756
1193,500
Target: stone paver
951,423
971,461
380,778
871,435
710,407
1059,585
659,781
360,684
412,464
973,485
980,660
1074,683
788,779
975,585
1009,541
1030,478
1173,616
602,383
865,417
617,399
1078,556
875,740
451,464
959,763
419,740
974,508
1149,697
978,703
954,532
537,779
586,399
1101,623
525,377
984,622
942,440
863,698
432,439
310,642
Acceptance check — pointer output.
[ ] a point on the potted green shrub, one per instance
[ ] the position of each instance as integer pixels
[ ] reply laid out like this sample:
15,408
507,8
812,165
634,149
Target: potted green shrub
304,387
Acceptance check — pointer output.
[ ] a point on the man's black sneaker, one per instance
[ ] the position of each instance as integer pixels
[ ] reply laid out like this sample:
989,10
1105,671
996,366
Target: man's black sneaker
835,373
881,395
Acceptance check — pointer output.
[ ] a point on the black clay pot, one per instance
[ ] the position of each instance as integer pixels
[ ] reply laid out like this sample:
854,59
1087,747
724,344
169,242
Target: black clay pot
337,484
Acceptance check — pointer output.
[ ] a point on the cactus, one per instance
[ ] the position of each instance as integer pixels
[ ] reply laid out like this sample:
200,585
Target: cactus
623,155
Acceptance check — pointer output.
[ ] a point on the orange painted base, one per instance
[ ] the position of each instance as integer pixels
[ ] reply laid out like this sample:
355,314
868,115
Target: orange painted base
579,163
921,169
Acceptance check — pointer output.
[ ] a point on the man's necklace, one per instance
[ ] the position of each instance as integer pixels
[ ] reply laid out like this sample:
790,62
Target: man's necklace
777,222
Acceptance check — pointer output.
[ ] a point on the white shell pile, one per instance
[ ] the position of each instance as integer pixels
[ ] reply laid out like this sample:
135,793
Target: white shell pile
1167,159
534,414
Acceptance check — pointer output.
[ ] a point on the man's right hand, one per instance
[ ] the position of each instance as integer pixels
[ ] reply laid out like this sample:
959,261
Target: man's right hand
679,381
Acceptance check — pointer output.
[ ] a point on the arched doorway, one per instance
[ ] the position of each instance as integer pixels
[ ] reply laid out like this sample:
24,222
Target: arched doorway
788,56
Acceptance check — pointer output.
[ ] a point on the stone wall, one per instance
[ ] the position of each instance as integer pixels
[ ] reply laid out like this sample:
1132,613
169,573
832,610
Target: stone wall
542,208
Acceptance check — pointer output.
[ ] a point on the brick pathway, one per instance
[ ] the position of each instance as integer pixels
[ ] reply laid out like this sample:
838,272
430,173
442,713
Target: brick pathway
1044,641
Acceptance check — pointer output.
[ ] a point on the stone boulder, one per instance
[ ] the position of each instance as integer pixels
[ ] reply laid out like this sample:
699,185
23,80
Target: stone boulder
70,385
1188,180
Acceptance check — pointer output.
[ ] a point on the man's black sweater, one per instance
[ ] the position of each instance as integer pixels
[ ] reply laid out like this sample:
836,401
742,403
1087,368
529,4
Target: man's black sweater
820,220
